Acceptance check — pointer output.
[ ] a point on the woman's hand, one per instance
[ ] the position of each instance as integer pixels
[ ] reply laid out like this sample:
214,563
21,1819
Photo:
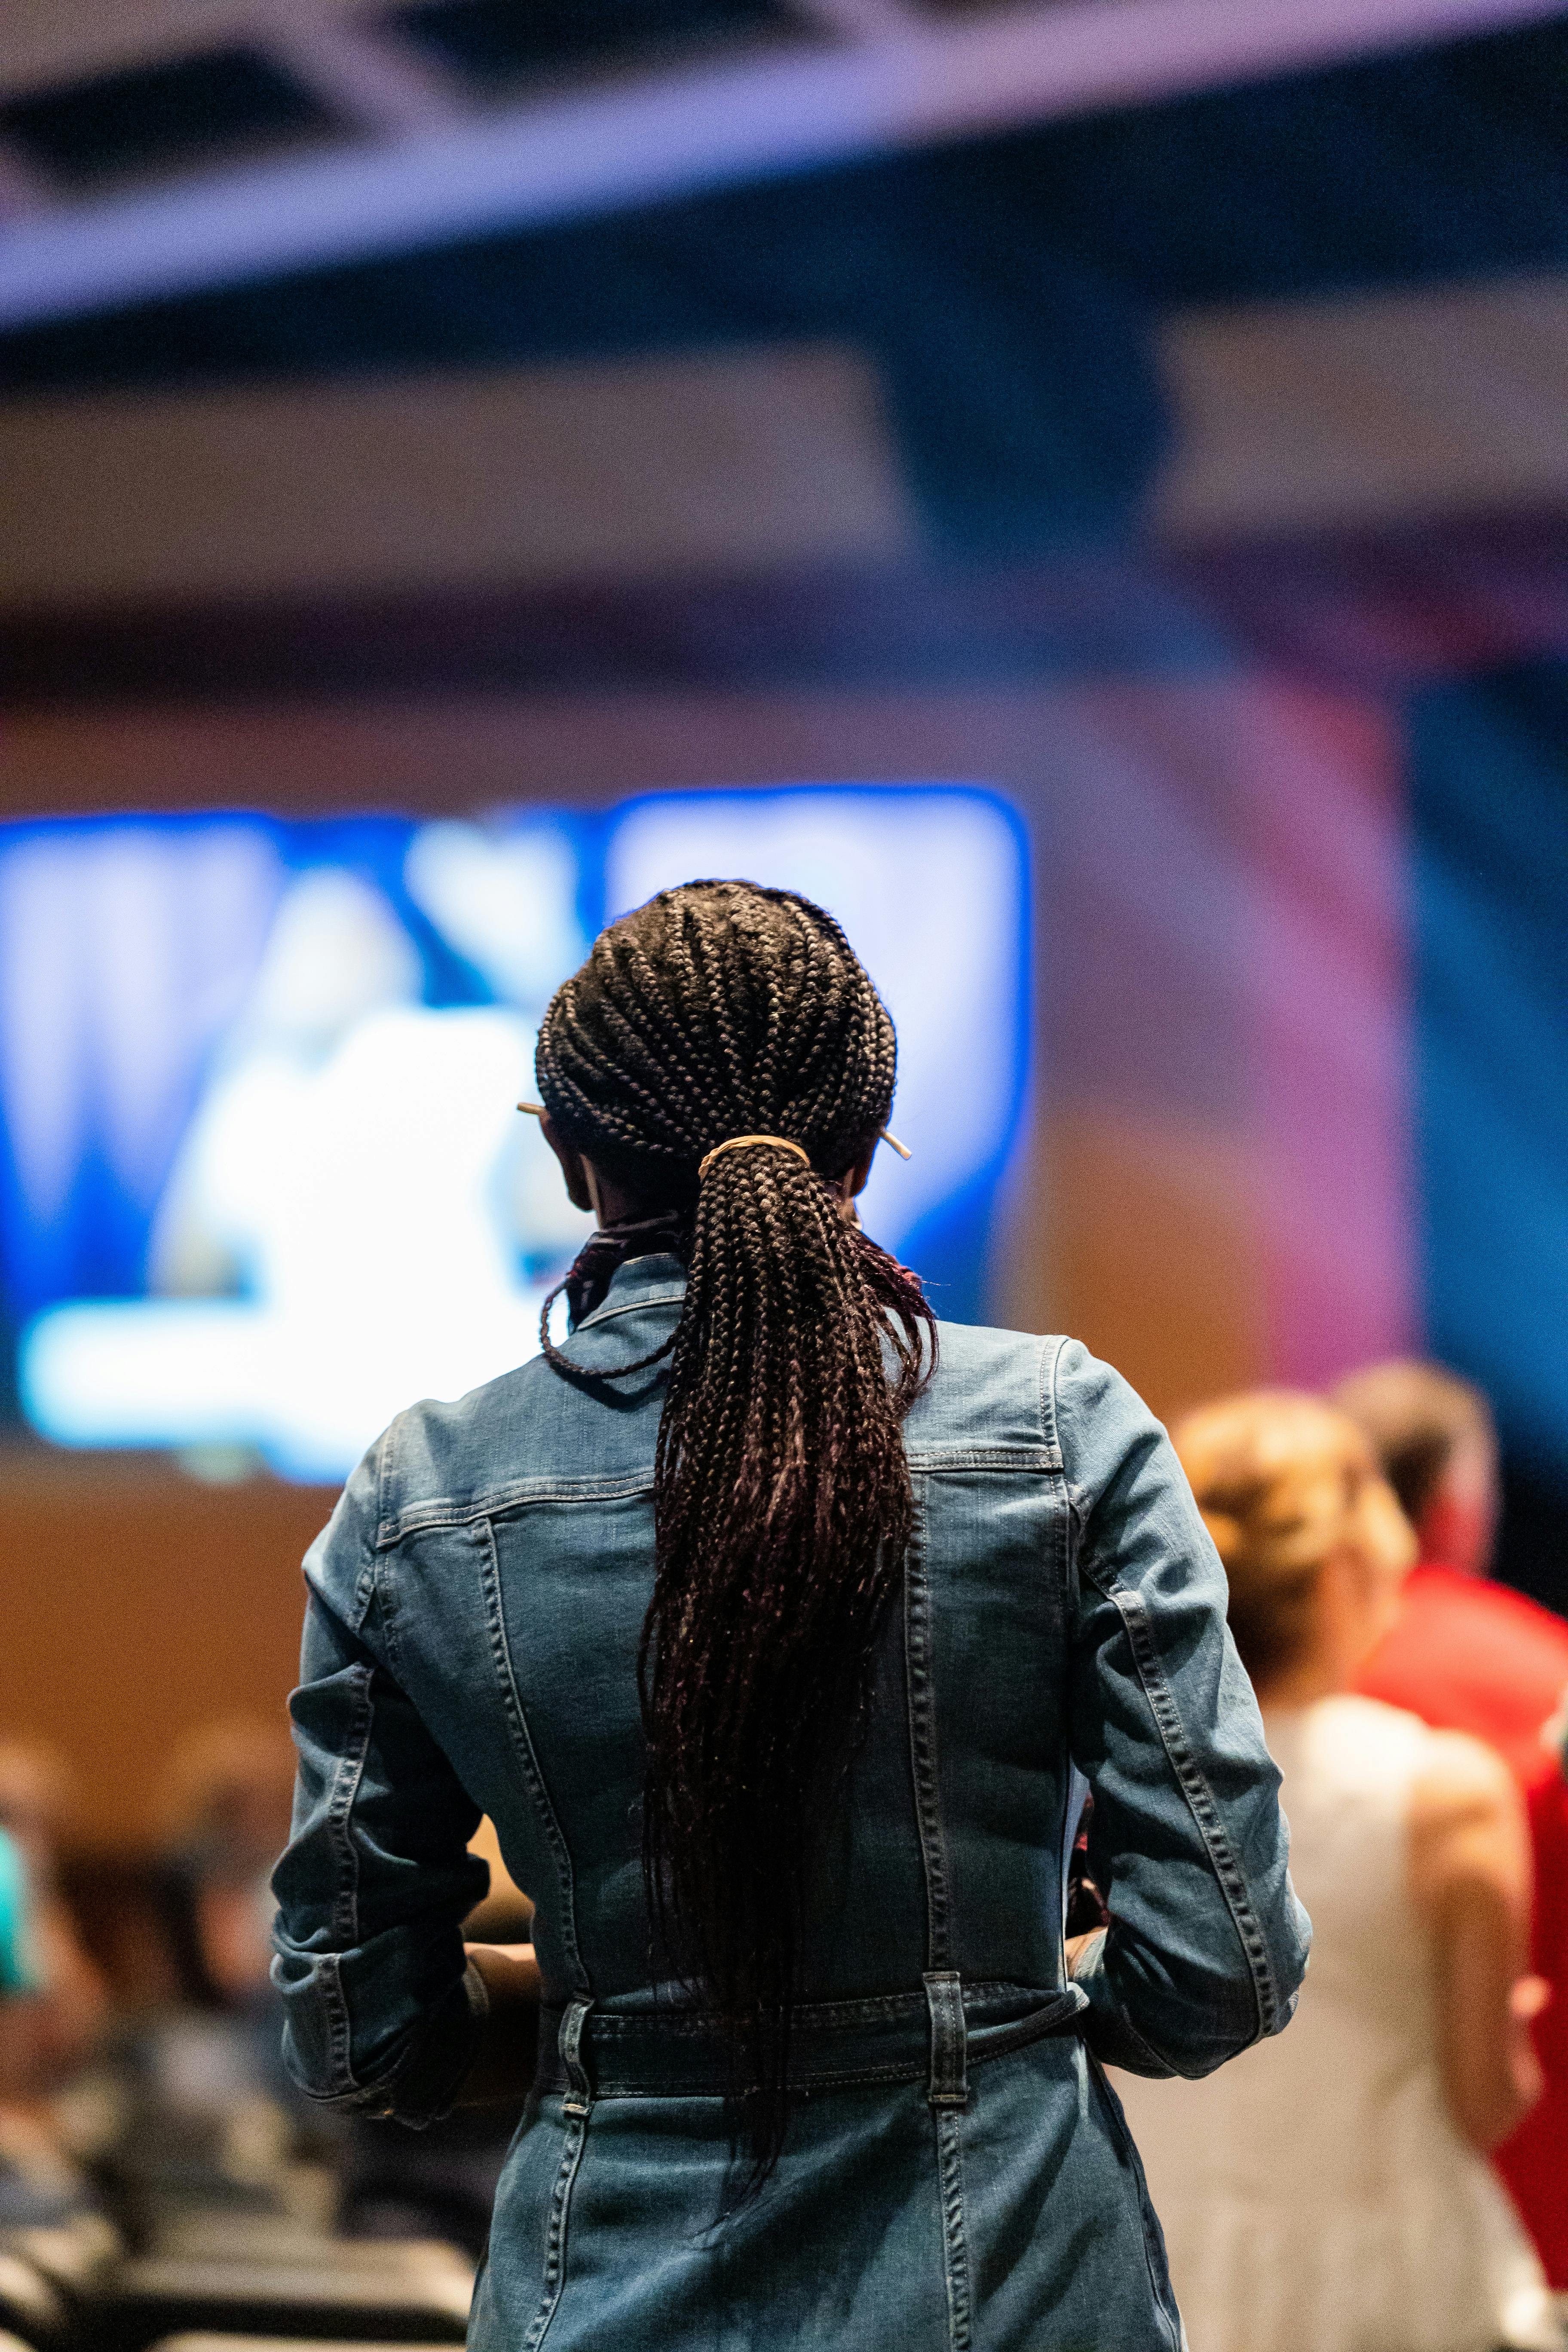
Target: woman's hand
503,2062
1076,1946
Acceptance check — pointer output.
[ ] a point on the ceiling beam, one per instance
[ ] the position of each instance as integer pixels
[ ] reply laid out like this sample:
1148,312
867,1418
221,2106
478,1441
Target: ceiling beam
661,136
376,83
25,191
860,20
50,43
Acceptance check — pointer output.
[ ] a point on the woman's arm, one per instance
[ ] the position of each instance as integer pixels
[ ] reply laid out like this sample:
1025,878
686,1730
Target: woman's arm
380,2011
1470,1878
1208,1944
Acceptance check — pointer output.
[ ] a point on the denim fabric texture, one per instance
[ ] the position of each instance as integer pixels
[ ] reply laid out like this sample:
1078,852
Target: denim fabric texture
958,2173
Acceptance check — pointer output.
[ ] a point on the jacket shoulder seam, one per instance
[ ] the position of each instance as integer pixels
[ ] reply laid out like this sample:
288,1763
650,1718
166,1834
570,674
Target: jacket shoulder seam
933,1459
385,1482
630,1307
500,1502
1046,1366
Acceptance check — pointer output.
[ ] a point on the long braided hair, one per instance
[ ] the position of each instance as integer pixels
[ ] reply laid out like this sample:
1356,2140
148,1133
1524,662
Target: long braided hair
781,1499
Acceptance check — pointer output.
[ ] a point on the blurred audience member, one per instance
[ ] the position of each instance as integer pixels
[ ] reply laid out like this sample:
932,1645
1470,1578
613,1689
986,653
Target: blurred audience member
206,2110
38,1802
1326,2191
1469,1656
18,1965
227,1808
213,2115
1465,1654
52,2001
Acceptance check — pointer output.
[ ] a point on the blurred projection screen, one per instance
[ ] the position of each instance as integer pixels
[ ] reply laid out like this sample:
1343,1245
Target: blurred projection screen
262,1183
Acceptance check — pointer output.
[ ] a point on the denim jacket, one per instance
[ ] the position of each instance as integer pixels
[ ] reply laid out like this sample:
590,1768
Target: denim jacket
958,2172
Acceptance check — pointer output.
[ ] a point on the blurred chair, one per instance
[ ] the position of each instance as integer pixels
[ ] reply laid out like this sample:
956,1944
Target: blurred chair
397,2184
31,2308
210,2233
197,2342
77,2258
332,2293
261,2241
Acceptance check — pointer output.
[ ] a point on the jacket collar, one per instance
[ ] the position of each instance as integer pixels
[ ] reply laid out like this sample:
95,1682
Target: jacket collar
655,1280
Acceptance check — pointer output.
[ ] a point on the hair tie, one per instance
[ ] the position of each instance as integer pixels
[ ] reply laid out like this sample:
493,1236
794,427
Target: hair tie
733,1143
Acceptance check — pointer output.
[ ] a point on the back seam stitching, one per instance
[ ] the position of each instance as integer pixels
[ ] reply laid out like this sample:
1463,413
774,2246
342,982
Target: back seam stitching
527,1755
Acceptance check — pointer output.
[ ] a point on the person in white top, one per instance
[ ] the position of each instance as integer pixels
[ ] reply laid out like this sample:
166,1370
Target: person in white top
1327,2192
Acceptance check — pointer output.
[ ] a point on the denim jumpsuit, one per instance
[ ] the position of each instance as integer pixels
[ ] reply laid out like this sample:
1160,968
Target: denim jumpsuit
957,2172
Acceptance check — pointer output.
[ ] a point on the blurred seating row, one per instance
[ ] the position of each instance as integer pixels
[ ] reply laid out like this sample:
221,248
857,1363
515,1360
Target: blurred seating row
162,2182
210,2275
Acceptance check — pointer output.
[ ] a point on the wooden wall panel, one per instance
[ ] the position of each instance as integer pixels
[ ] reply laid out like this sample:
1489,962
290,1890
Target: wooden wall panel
645,467
138,1606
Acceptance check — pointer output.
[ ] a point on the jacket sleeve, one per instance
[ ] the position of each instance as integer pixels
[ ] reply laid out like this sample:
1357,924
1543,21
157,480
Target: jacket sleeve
1208,1944
381,2012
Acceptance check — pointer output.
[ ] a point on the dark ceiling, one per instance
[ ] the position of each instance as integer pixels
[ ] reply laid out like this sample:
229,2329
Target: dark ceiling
1003,286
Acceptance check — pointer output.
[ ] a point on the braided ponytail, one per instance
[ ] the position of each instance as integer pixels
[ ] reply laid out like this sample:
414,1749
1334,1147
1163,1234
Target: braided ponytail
781,1499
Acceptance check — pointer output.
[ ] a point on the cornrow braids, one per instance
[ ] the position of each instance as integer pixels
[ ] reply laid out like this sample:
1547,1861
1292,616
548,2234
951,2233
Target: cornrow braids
782,1508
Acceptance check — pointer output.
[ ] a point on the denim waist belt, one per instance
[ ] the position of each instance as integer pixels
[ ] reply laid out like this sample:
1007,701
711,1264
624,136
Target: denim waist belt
937,2034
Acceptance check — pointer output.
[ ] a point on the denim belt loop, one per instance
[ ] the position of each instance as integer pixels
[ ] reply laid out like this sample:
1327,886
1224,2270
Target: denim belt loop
580,2091
949,2039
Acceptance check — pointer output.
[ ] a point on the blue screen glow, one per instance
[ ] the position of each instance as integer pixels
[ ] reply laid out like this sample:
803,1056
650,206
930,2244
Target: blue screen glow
263,1183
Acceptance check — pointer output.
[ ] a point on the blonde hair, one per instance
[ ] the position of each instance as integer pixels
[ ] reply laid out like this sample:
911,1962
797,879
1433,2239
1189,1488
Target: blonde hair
1284,1481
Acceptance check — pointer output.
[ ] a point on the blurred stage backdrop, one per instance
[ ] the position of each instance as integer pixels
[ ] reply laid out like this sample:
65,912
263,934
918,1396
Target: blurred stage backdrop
1116,562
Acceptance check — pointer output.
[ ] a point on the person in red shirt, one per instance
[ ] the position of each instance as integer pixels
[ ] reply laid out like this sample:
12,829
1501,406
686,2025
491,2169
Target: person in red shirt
1470,1655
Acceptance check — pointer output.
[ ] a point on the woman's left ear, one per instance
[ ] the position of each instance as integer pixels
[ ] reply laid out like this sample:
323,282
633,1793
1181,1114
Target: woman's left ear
855,1177
573,1168
853,1180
